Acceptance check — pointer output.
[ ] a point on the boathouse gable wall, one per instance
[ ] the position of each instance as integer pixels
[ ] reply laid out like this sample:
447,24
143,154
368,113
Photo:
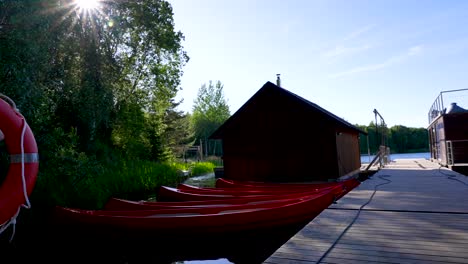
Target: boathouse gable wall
279,137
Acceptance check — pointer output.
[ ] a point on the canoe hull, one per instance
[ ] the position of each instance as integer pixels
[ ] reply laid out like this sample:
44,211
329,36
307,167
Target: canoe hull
243,234
179,238
168,194
202,221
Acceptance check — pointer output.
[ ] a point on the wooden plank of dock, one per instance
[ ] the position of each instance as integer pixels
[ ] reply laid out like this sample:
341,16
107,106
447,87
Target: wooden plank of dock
419,214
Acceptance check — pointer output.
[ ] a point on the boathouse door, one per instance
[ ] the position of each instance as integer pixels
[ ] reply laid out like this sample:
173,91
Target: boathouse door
347,152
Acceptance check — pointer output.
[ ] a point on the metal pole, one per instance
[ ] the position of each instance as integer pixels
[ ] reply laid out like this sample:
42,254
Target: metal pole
376,131
368,147
442,102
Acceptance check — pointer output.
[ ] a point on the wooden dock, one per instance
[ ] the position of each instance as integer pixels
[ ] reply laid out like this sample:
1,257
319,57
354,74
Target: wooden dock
419,214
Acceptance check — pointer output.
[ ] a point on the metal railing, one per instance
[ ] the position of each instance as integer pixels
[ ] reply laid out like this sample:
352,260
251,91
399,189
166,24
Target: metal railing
437,108
453,147
449,153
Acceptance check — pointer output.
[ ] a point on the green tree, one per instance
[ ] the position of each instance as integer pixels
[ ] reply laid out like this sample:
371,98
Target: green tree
407,139
210,111
150,57
101,72
401,139
364,142
372,140
93,86
178,133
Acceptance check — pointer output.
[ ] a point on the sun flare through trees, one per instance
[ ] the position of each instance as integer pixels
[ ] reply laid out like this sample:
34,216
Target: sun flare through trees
87,4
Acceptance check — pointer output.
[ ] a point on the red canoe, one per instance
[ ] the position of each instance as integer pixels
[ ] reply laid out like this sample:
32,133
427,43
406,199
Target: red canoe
123,204
169,194
172,194
182,234
226,183
347,184
201,221
284,187
249,190
170,211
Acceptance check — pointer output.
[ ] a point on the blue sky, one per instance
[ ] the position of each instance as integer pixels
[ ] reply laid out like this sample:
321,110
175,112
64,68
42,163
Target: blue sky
348,56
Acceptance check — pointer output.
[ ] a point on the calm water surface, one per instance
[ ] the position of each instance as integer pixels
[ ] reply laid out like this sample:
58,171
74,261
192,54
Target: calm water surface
421,155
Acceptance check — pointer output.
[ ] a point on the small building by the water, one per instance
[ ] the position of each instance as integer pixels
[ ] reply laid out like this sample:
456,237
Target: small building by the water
279,136
448,133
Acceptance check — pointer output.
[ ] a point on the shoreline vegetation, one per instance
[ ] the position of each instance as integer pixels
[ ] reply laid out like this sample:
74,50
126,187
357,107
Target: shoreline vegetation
128,179
400,139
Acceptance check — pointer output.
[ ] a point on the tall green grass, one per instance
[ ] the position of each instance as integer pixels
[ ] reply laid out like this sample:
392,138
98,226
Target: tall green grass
199,168
88,184
71,178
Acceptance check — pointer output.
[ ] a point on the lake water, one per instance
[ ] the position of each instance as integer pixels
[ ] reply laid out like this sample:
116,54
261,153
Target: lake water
421,155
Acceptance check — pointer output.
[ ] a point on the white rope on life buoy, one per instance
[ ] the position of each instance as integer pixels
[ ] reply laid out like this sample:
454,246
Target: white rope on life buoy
23,179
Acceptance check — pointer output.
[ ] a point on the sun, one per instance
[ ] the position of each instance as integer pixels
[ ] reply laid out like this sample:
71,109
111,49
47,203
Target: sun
87,4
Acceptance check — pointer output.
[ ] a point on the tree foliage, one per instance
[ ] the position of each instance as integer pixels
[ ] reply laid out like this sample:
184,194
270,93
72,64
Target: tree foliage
105,73
210,111
94,85
400,139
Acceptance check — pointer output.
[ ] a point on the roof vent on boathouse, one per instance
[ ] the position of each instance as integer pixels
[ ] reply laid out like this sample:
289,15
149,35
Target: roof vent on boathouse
278,80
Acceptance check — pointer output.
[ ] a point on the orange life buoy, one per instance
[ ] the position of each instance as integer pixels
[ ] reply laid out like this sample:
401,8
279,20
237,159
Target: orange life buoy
24,162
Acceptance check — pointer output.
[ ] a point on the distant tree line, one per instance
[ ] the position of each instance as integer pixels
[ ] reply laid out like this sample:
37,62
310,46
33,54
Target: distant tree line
400,139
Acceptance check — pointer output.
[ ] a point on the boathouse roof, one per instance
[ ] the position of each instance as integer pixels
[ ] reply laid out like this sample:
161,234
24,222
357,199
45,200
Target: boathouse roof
269,88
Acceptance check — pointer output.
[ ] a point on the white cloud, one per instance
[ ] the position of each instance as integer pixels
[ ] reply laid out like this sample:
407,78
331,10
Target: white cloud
412,51
367,68
341,50
344,49
288,27
358,32
415,50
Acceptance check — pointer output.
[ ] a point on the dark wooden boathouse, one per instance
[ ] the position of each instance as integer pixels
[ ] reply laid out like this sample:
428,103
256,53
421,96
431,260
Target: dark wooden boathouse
448,134
279,136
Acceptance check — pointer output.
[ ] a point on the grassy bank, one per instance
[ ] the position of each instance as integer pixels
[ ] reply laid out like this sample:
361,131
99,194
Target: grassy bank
89,186
85,184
